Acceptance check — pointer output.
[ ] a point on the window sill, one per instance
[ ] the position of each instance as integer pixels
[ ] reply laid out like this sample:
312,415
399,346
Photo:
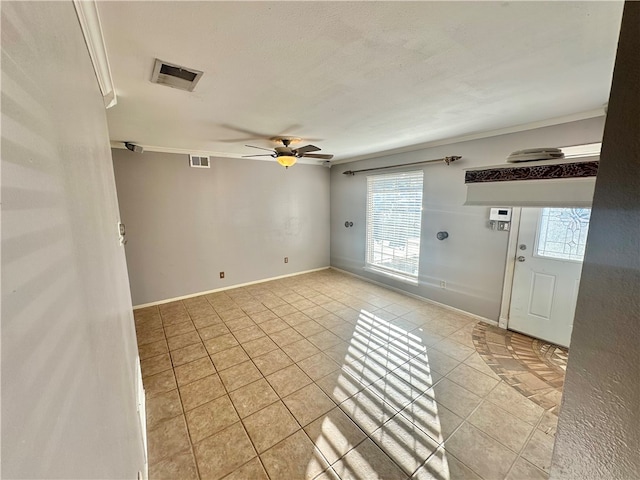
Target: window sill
386,273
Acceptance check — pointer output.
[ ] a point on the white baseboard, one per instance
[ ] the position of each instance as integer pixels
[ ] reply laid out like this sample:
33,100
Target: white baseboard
418,297
230,287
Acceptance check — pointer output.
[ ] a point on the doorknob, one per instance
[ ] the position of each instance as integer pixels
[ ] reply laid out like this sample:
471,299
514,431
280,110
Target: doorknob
521,258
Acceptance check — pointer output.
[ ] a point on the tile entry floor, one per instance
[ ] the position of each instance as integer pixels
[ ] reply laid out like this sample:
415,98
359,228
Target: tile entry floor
327,376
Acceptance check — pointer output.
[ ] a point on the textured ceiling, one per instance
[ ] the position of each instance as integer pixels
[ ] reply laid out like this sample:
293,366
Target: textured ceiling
355,77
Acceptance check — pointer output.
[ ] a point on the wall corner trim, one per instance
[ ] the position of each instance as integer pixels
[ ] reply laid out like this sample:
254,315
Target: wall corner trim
89,18
229,287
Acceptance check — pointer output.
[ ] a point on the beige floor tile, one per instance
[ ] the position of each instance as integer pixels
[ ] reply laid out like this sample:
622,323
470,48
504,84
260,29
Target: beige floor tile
252,470
272,362
210,418
259,346
296,318
149,335
222,453
472,380
405,443
308,328
318,366
157,364
201,391
395,391
167,438
274,325
324,339
238,324
283,310
239,375
229,357
190,372
300,350
247,334
500,425
339,385
213,331
188,354
523,470
162,407
481,453
229,315
180,465
548,424
159,383
475,360
436,420
444,466
515,403
179,329
183,340
270,425
294,458
329,321
367,410
315,312
263,316
285,337
218,344
334,433
417,375
539,450
153,349
308,403
457,399
454,349
367,461
288,380
435,360
341,353
206,320
253,397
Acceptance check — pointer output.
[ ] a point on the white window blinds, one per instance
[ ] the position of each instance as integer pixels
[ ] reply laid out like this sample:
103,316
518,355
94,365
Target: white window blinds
394,221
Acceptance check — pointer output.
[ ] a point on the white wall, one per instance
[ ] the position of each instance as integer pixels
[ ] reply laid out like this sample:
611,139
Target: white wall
68,342
472,260
185,225
599,428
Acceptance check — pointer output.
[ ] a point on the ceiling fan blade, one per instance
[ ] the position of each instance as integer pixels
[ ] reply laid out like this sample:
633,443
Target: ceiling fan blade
324,156
259,155
261,148
305,149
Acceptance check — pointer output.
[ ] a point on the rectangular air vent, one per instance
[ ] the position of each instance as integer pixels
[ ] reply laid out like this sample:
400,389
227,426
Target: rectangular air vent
198,161
175,76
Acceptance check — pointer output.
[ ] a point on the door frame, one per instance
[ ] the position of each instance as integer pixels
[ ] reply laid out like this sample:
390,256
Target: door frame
509,268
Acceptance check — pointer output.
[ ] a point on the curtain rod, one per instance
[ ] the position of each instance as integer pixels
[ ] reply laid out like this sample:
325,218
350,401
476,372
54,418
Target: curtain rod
446,160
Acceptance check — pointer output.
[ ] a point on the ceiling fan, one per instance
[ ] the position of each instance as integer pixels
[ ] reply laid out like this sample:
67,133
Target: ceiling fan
287,156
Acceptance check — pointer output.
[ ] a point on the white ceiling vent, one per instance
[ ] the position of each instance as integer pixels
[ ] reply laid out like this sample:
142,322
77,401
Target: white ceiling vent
175,76
199,162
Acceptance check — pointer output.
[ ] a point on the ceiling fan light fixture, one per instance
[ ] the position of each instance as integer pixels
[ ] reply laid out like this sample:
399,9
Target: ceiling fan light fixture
286,160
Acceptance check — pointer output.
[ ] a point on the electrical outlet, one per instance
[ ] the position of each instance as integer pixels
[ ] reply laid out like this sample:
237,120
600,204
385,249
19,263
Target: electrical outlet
443,284
221,274
286,259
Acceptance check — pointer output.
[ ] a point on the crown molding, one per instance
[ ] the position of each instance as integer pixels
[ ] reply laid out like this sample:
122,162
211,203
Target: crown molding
207,153
89,18
598,112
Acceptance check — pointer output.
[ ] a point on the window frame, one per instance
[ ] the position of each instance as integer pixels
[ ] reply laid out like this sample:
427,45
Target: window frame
416,176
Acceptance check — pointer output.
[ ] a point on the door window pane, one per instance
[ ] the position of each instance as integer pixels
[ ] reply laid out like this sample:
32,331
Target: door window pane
562,233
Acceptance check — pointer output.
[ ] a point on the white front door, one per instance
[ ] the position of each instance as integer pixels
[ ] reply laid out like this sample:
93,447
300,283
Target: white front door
551,243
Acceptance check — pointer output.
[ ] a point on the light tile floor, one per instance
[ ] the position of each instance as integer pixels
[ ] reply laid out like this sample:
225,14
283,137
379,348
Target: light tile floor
326,376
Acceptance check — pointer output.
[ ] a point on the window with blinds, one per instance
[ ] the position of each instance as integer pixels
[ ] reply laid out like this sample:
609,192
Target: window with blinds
394,221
